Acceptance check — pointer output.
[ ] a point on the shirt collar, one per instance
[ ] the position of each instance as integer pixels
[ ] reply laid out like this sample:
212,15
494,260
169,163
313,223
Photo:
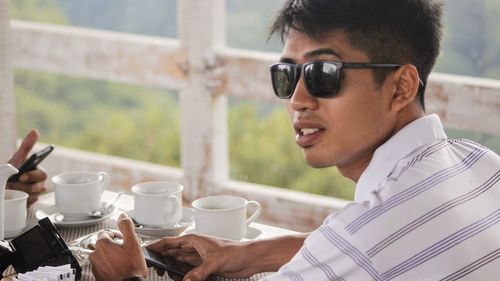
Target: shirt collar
414,135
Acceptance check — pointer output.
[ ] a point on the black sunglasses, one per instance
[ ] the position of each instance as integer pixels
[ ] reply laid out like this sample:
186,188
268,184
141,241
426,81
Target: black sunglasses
322,78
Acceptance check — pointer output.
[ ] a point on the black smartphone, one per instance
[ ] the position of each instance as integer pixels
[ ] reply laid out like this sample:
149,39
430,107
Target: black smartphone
32,162
166,263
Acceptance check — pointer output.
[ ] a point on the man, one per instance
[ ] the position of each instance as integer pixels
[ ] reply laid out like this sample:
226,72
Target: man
31,182
353,75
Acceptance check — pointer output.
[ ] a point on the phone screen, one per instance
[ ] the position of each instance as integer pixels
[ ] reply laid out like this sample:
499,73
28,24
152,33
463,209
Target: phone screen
166,263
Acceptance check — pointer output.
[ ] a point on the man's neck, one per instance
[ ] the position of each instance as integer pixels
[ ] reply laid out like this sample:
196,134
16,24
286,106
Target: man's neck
354,170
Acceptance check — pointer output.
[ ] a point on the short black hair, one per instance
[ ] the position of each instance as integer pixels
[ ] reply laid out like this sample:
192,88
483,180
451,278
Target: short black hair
389,31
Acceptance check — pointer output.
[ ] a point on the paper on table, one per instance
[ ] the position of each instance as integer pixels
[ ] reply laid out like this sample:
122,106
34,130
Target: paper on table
48,273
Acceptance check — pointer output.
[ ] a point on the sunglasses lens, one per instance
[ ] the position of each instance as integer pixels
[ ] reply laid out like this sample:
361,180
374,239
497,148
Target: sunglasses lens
283,80
322,79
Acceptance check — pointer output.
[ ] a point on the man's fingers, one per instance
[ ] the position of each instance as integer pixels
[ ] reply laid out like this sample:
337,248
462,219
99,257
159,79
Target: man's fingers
26,145
162,245
104,235
170,243
37,175
126,227
191,259
33,189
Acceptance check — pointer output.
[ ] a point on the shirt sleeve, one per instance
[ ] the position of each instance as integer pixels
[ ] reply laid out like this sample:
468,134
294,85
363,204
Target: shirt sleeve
329,253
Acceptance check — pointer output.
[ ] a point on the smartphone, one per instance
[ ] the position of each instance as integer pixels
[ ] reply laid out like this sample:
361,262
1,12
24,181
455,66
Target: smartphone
166,263
32,162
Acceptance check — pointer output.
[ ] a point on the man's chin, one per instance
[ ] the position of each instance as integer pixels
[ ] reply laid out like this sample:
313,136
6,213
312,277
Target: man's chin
319,163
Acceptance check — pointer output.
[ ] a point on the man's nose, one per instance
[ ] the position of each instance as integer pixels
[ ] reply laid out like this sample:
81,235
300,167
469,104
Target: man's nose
301,99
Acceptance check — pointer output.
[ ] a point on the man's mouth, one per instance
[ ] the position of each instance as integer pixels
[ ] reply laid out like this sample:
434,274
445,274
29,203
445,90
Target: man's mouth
308,131
307,137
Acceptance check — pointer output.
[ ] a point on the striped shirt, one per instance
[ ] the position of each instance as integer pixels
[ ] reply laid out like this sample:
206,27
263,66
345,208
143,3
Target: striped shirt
427,208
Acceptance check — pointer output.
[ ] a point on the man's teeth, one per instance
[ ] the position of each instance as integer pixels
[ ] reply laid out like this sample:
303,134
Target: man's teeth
308,131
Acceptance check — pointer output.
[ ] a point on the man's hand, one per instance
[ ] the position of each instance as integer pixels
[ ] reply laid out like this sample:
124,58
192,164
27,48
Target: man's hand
113,262
228,258
32,182
208,254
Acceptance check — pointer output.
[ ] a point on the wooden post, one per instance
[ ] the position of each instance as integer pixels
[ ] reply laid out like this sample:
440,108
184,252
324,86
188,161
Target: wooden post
204,149
8,133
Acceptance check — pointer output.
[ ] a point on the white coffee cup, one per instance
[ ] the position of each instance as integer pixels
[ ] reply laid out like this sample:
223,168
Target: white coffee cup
78,193
15,212
224,216
158,203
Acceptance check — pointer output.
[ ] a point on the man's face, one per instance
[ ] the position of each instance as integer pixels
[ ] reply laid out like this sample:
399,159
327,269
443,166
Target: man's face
344,130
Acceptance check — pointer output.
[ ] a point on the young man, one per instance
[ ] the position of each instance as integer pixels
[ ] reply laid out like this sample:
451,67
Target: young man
32,182
353,74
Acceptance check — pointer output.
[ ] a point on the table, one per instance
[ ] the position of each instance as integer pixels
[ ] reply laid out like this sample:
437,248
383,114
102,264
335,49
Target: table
126,203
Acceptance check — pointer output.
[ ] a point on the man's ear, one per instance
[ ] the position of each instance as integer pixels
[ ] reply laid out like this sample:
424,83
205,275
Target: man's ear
407,82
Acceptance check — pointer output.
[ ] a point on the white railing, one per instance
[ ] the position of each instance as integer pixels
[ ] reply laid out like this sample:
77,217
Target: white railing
206,73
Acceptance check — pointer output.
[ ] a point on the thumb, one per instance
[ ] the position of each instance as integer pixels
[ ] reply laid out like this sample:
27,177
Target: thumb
26,145
126,227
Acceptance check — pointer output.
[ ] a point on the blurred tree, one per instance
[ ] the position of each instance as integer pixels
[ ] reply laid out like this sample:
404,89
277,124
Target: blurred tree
152,17
41,10
123,120
471,43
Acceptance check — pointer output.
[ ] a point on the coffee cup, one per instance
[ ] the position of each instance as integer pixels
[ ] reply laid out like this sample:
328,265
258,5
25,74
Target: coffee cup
157,203
79,193
224,216
15,212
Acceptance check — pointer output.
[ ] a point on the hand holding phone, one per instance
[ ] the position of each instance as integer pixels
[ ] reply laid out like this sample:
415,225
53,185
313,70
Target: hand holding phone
166,263
172,266
32,162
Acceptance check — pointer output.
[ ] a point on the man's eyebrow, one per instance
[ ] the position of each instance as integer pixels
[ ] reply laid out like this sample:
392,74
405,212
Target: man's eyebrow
287,60
324,51
314,53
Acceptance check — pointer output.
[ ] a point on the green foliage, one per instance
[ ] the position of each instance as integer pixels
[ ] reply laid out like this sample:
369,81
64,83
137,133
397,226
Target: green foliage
471,41
40,10
248,23
123,120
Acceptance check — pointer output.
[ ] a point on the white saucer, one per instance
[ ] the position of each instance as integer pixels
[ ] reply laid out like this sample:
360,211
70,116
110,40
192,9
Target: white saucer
252,233
59,220
174,230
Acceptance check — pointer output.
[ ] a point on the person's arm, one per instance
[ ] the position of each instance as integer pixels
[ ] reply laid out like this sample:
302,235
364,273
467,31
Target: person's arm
228,258
31,182
269,255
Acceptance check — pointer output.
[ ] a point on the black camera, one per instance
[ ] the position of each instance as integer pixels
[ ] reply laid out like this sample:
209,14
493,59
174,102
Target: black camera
40,246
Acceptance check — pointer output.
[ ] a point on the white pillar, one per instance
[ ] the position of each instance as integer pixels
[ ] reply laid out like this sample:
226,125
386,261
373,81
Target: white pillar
8,133
204,148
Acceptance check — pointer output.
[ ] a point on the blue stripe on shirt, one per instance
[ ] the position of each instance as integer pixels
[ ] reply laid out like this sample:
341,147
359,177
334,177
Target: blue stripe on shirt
433,214
415,190
290,274
350,250
428,151
327,270
443,245
477,264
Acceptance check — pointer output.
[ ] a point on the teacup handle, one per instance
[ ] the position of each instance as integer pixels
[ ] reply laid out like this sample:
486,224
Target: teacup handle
172,205
104,180
256,213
